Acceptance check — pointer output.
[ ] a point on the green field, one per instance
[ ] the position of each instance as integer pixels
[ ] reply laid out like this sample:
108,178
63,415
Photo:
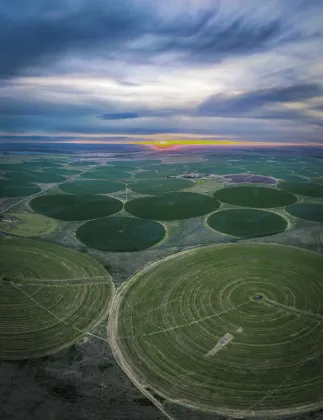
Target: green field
319,179
309,189
92,187
40,177
75,207
203,339
17,189
172,206
258,197
120,234
247,222
161,186
26,224
151,174
50,297
306,211
107,172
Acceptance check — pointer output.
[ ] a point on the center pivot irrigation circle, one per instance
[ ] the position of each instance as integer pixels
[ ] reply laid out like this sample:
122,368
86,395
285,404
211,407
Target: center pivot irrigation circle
50,297
172,206
257,197
75,207
234,329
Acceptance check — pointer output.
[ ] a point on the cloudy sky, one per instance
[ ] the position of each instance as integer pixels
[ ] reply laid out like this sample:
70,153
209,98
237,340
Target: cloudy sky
246,70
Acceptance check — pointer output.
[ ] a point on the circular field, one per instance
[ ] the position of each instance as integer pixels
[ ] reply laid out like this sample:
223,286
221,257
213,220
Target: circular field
247,222
172,206
75,207
15,189
92,187
158,173
120,234
40,177
161,186
312,212
234,329
309,189
107,172
26,224
258,197
250,178
50,297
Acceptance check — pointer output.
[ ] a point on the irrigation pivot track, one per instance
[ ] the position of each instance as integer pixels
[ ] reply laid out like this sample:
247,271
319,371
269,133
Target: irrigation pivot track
192,328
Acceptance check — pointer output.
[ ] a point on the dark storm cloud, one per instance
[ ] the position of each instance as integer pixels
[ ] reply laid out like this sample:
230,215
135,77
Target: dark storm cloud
108,29
120,116
224,105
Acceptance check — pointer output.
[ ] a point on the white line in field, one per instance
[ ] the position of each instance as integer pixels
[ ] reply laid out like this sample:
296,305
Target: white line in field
293,310
224,341
196,321
46,189
55,316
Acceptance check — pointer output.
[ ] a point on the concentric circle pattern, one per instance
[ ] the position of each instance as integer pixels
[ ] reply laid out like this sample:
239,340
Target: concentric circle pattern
306,211
191,328
50,297
172,206
258,197
75,207
121,234
247,222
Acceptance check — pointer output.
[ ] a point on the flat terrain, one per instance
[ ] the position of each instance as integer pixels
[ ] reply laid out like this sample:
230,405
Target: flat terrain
258,197
172,206
161,186
247,222
17,189
75,207
173,313
50,297
306,211
309,189
120,234
26,224
92,187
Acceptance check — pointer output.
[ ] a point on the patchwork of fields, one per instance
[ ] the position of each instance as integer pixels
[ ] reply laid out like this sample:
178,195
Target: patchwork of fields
206,315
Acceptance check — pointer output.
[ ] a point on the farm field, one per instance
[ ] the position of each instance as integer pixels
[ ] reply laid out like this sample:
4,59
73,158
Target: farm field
258,197
247,222
200,298
50,297
120,234
175,311
172,206
26,224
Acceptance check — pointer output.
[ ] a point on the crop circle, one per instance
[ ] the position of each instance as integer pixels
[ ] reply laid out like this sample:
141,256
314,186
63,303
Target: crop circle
306,211
257,197
247,222
50,297
17,189
309,189
161,186
92,187
26,224
120,234
172,206
205,341
75,207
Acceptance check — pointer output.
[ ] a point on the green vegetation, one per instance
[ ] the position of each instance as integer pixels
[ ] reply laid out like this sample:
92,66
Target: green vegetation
50,297
318,179
312,212
159,173
258,197
161,186
26,224
75,207
309,189
92,187
17,189
107,172
247,222
121,234
172,206
205,341
40,177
